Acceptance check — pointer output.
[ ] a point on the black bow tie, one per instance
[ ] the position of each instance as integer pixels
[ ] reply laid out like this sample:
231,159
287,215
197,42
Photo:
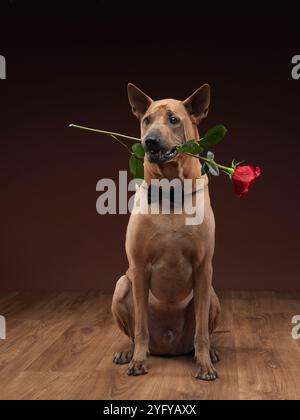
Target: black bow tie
157,194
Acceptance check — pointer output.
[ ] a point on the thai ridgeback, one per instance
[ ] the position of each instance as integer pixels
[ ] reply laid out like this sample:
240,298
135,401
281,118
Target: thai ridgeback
165,303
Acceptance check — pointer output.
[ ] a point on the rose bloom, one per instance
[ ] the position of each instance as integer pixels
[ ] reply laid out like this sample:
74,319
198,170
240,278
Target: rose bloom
244,178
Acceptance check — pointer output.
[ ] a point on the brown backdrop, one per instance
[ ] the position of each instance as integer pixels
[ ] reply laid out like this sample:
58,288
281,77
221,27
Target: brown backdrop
73,66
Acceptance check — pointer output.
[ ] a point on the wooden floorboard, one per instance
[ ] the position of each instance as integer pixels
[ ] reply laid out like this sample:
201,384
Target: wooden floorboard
60,346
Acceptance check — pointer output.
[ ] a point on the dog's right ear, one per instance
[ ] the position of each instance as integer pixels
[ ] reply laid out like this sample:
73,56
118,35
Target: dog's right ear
197,105
138,100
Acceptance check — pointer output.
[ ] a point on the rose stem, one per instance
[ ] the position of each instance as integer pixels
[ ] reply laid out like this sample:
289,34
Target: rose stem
123,144
229,171
110,133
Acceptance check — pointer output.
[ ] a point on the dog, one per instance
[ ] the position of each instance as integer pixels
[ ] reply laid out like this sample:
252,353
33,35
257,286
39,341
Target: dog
165,303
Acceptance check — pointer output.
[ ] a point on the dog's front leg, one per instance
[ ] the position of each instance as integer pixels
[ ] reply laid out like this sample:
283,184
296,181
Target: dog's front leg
140,283
202,287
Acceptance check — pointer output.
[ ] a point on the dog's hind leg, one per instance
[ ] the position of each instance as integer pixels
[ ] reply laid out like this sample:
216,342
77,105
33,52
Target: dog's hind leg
214,317
214,311
123,313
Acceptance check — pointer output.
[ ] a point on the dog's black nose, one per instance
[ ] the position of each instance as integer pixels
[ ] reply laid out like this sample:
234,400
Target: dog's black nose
152,144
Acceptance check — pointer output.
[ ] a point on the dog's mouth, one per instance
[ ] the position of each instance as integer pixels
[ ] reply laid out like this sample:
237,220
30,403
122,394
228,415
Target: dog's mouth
162,156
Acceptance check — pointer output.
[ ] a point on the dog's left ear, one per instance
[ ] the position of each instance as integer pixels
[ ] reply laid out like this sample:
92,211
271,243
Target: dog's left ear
138,100
197,105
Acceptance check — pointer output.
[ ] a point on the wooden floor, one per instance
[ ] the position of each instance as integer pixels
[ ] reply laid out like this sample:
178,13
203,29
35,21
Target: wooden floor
60,346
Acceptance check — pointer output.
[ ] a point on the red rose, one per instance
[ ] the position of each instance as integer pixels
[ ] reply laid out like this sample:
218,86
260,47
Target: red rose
243,179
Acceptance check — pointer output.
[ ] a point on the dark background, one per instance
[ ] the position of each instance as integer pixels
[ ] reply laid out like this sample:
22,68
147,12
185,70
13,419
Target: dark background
71,63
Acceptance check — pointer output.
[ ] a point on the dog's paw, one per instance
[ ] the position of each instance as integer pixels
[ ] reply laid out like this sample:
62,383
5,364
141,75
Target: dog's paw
214,356
123,357
206,372
137,368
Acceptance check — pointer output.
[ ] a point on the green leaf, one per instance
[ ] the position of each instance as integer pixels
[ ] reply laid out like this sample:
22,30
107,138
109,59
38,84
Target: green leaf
136,167
213,136
191,147
213,169
210,155
205,169
210,167
138,150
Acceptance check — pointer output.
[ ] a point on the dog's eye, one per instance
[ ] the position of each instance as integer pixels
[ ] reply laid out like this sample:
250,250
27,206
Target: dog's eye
146,121
173,120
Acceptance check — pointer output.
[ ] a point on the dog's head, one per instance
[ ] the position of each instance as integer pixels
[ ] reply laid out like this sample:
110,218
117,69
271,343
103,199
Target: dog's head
168,123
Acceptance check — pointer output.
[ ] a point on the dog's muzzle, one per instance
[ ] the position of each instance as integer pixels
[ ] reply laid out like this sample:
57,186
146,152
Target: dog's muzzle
156,153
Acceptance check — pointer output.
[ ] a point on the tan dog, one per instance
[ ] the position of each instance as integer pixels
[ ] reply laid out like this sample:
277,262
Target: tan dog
165,303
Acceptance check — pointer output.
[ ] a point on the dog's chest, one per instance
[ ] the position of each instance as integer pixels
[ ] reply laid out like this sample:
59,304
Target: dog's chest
169,251
172,264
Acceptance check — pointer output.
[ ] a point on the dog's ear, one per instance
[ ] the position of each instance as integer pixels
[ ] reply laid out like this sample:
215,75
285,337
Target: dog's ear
197,105
138,100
